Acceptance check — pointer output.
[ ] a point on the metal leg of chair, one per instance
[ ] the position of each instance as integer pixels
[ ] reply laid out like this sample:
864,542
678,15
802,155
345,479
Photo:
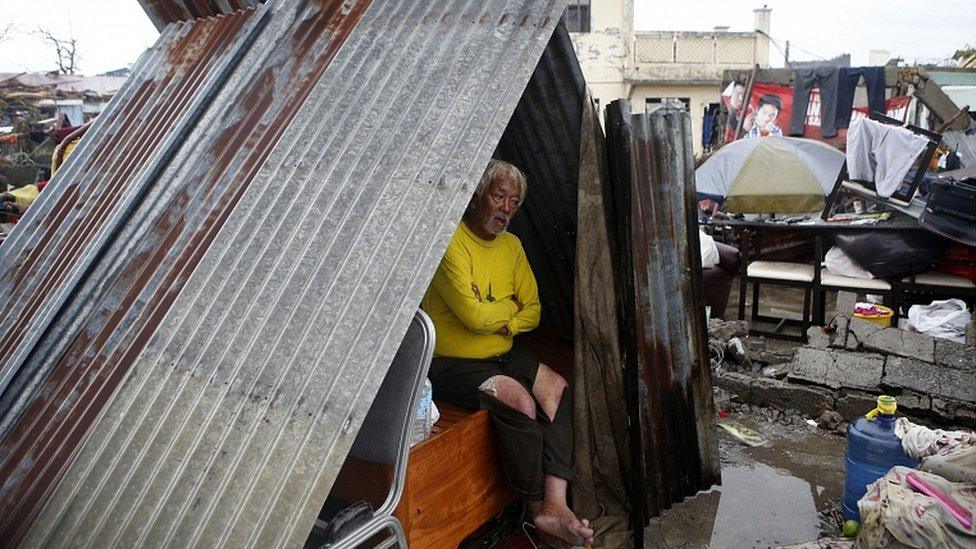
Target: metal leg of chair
806,312
820,307
755,299
743,276
742,297
895,301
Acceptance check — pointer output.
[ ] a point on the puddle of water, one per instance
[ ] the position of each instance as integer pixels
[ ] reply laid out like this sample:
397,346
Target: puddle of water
769,495
761,506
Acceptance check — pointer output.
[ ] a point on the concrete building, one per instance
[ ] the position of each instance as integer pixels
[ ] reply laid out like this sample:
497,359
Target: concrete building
651,68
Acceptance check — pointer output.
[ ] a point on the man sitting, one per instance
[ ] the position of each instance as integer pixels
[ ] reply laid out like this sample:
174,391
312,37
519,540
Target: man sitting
483,295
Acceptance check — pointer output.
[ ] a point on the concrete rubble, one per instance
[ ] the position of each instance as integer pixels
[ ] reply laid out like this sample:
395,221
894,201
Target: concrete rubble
841,370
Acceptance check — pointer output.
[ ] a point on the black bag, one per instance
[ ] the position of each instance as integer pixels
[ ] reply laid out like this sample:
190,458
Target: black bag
951,211
891,254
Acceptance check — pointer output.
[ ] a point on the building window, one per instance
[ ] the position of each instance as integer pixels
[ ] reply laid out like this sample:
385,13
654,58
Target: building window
577,16
651,104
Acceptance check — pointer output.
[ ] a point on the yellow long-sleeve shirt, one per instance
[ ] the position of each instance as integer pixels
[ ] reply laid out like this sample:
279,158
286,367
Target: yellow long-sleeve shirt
470,297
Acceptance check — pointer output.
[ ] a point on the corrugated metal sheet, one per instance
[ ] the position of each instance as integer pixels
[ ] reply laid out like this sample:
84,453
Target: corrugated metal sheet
252,303
601,445
543,139
94,193
137,266
164,12
664,342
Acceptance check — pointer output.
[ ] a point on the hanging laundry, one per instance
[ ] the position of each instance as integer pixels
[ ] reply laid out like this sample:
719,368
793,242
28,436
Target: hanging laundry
848,77
804,80
881,153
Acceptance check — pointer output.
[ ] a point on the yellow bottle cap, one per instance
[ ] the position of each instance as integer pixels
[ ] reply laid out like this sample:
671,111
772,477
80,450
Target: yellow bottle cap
886,405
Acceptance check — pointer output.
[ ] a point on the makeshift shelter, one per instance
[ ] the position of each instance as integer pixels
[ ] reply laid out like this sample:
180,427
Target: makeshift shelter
231,257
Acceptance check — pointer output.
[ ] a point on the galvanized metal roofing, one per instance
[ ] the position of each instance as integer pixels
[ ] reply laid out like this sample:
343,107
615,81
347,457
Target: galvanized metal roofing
199,371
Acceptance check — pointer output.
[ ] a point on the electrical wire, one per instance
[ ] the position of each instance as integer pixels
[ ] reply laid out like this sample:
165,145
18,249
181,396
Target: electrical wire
777,44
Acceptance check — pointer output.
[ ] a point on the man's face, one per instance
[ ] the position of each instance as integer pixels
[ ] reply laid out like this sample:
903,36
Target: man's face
736,100
766,116
494,210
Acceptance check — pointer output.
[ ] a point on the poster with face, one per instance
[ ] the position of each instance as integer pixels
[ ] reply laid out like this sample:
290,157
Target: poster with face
770,106
767,112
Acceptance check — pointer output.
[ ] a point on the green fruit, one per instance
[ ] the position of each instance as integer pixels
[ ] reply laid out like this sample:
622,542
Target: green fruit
851,527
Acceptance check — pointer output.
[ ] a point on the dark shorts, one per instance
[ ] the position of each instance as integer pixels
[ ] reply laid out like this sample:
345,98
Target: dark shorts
456,380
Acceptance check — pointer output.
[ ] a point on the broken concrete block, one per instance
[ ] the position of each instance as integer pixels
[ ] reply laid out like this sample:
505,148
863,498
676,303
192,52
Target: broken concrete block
735,383
810,364
723,330
767,357
860,370
817,337
944,408
755,344
854,404
955,355
844,307
971,334
804,398
863,329
837,368
912,401
965,415
932,379
839,337
892,341
774,392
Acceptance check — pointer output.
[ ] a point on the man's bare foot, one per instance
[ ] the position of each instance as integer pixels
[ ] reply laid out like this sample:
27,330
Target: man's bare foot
559,521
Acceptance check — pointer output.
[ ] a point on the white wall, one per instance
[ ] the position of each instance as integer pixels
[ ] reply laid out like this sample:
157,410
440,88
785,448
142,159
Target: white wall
605,52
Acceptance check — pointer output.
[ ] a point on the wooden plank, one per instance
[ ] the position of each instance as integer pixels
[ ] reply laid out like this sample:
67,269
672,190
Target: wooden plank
454,481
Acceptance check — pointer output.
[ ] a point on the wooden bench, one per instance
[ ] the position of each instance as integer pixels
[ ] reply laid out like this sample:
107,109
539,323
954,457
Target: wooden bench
454,481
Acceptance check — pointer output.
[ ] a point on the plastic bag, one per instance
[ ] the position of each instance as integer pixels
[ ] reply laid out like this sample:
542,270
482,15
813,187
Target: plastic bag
891,254
946,319
841,264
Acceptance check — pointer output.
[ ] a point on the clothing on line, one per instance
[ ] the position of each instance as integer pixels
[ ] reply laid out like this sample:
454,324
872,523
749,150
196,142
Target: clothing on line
874,80
804,80
881,153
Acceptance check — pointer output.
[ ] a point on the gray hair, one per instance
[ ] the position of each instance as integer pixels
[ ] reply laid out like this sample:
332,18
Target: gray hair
500,168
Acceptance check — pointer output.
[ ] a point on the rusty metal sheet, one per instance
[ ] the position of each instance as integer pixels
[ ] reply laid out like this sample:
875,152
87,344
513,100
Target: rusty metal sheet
664,346
133,278
602,451
205,379
164,12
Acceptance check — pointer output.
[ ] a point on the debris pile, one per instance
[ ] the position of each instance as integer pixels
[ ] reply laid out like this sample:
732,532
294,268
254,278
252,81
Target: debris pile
842,369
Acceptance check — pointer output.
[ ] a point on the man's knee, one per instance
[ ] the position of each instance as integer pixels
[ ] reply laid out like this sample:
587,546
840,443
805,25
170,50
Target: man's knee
511,393
548,383
549,389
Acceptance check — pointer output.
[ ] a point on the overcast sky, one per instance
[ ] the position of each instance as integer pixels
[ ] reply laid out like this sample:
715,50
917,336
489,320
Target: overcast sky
112,33
912,29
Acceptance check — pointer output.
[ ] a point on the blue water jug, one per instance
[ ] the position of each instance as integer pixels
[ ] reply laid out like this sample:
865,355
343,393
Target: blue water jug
872,450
